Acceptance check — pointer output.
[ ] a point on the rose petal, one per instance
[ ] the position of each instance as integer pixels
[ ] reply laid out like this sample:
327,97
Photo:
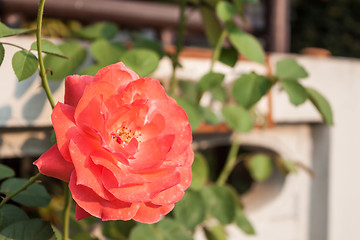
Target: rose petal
121,177
153,127
156,182
116,74
168,196
144,88
88,200
93,117
132,116
88,174
132,146
184,159
176,123
102,91
151,213
81,213
52,164
166,143
63,121
150,155
186,176
74,88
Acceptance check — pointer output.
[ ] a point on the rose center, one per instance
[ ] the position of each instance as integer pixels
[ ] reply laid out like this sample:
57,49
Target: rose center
124,135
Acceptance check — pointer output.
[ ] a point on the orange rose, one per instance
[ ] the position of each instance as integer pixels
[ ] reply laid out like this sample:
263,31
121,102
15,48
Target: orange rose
122,144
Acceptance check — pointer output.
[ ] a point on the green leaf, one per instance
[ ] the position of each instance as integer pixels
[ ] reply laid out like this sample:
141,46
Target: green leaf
32,229
190,211
190,90
10,214
296,92
211,24
215,233
6,172
64,67
172,230
144,232
48,48
2,53
192,110
209,115
57,233
260,167
237,118
200,172
99,30
142,61
249,89
106,52
151,45
321,104
211,80
228,56
25,64
219,203
243,223
225,11
290,69
119,230
34,196
218,93
5,31
246,44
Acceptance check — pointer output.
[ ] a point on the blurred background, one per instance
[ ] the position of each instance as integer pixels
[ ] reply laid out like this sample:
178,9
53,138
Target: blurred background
319,202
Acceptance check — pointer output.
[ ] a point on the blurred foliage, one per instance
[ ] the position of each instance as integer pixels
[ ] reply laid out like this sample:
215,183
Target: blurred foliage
57,28
333,25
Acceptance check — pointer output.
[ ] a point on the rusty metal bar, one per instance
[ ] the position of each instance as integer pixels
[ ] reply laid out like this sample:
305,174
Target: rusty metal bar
160,16
125,13
279,23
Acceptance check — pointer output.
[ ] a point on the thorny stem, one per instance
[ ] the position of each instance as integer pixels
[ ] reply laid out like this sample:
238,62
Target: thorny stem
42,71
229,164
31,181
179,45
45,85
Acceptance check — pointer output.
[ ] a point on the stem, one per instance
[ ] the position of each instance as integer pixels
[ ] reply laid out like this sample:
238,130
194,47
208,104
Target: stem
179,45
66,212
31,181
44,81
14,45
229,164
217,49
45,85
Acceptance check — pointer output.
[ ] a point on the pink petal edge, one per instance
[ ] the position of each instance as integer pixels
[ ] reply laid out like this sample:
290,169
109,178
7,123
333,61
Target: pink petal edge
74,88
